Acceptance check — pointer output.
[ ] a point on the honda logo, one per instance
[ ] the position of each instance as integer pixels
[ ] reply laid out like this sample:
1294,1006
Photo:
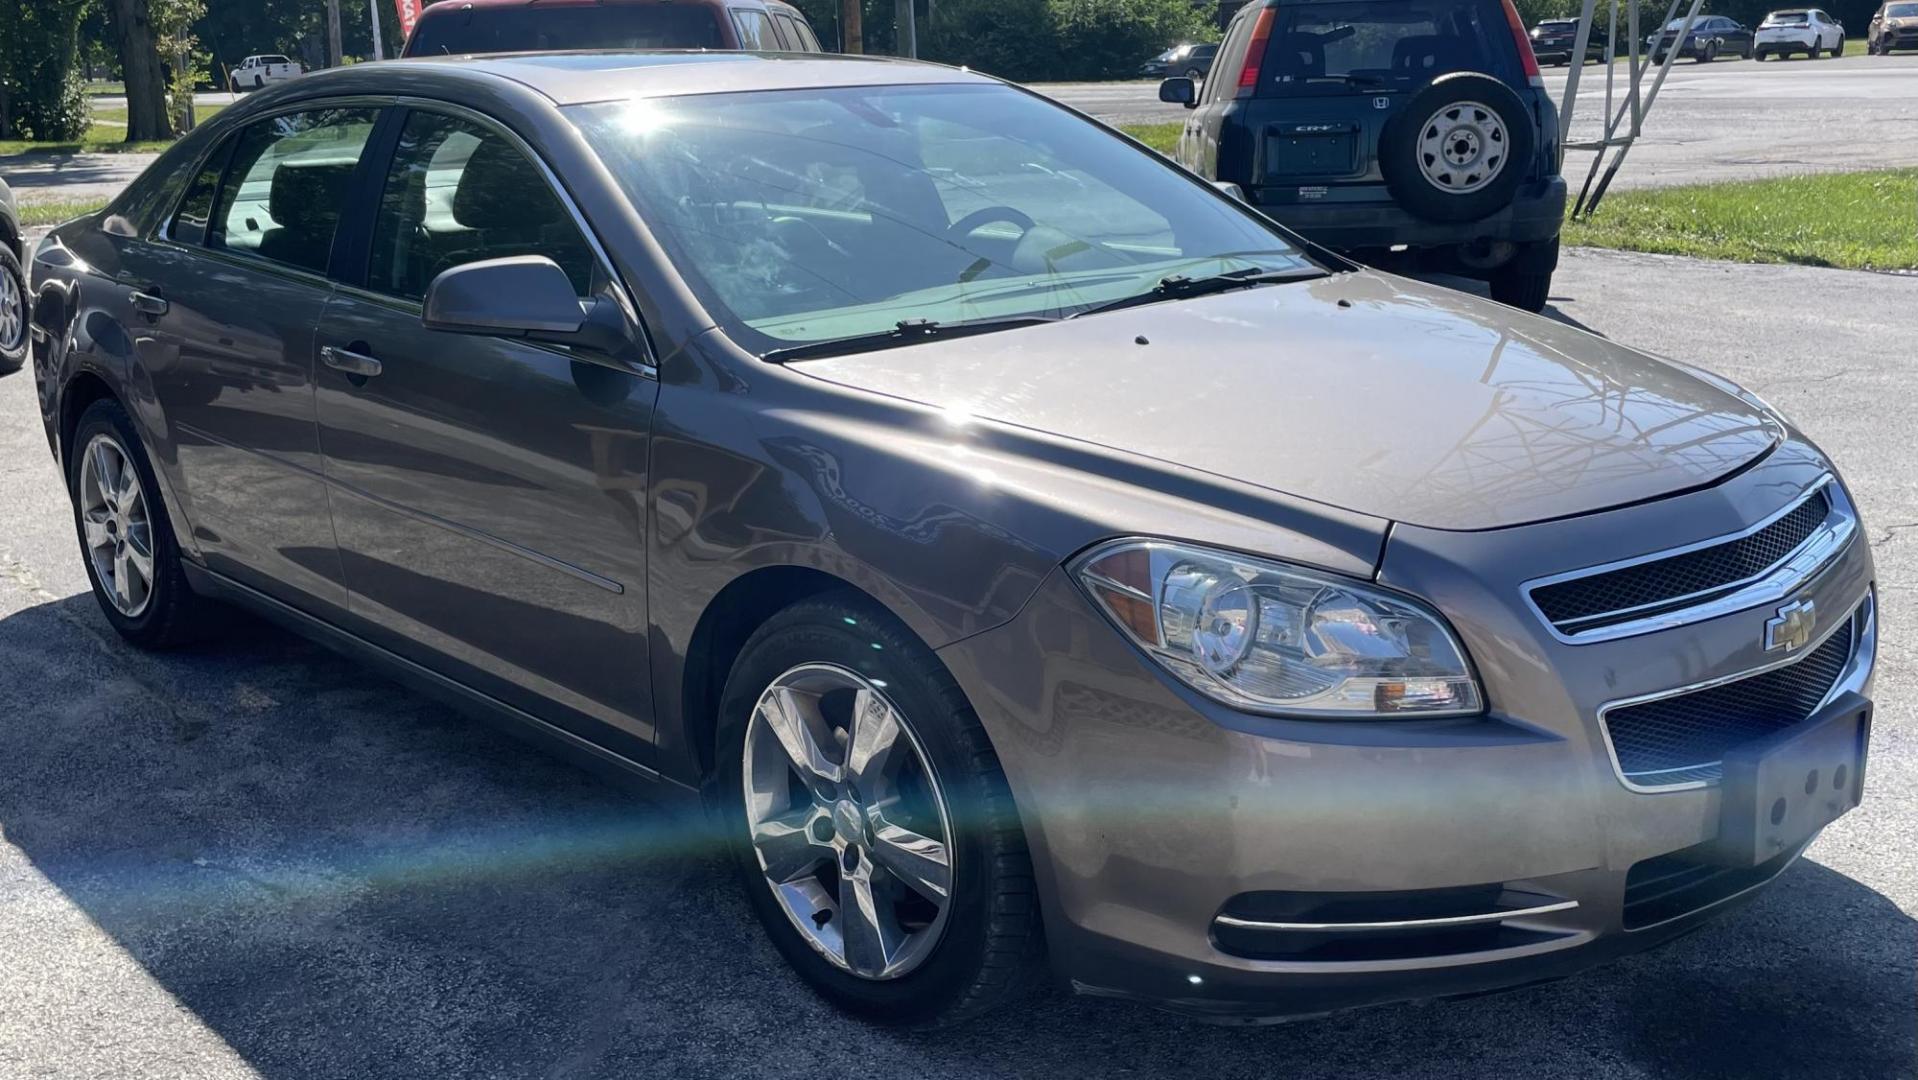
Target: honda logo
1791,628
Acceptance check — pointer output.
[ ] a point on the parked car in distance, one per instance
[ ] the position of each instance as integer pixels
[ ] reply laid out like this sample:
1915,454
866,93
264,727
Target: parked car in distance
1895,26
1711,36
1554,39
13,286
1392,130
507,26
1806,30
258,72
1192,61
1028,553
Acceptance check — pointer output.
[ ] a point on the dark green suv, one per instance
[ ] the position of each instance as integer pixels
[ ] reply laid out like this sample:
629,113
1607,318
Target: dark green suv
1394,130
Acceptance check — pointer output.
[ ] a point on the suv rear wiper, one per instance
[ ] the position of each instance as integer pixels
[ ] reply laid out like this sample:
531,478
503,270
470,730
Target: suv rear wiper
1180,287
904,332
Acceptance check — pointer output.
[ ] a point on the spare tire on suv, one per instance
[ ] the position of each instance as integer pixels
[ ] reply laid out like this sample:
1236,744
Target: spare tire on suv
1458,149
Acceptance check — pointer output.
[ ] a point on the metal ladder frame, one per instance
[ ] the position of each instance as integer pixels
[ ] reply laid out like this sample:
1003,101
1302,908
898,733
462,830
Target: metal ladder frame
1609,150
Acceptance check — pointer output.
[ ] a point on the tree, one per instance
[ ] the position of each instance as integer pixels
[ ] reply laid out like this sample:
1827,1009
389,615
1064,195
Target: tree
42,95
140,69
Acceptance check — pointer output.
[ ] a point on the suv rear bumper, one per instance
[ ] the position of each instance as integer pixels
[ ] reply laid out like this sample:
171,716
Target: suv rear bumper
1535,214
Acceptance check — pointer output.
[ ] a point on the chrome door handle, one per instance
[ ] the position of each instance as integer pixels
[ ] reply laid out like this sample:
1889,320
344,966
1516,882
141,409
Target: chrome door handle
350,362
149,305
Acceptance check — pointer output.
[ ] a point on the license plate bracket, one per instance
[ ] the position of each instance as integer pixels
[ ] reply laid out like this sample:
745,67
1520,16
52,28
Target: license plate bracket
1780,790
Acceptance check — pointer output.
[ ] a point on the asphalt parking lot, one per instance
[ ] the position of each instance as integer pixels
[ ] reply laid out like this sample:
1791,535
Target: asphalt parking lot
261,860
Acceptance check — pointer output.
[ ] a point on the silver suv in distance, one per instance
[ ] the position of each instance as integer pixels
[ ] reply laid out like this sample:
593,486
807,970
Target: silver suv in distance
1034,559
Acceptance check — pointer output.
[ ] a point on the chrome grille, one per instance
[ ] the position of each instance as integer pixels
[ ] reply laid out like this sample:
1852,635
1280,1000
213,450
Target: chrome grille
1605,598
1682,739
1764,564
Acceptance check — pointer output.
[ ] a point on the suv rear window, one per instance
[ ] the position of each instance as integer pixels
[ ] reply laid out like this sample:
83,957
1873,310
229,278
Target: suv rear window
1357,47
534,28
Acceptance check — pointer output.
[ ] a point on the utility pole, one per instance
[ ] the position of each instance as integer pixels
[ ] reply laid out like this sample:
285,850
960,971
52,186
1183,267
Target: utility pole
373,9
852,34
907,20
332,33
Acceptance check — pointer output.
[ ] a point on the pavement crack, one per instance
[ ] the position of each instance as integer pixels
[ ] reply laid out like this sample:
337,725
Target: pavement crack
1891,532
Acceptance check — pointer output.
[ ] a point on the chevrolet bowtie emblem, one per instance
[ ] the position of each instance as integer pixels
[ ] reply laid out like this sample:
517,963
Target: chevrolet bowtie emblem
1791,628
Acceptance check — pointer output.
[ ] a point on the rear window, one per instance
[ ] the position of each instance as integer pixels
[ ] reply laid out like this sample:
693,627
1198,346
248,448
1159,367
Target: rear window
539,29
1787,18
1394,44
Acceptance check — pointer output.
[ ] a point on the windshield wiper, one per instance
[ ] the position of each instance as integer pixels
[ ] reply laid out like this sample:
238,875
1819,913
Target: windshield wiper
1180,287
905,332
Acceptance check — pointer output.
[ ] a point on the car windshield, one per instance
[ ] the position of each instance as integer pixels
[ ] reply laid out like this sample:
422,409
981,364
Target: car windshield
1679,24
1902,11
1787,18
537,29
818,214
1399,44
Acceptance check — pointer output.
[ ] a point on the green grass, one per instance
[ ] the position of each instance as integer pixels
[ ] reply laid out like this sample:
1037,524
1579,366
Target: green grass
1854,221
1160,137
106,136
56,211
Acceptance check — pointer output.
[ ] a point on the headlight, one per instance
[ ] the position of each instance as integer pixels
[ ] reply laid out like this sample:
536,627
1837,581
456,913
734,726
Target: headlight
1266,637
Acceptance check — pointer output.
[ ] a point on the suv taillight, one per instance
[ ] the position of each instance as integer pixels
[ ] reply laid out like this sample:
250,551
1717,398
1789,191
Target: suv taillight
1255,52
1526,57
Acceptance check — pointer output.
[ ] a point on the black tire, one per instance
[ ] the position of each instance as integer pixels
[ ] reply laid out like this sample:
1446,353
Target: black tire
174,614
1758,56
1399,158
1838,50
1813,52
1526,282
13,354
991,947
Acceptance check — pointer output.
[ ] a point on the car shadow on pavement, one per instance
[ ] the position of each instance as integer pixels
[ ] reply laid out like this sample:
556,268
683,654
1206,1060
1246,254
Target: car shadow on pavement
337,877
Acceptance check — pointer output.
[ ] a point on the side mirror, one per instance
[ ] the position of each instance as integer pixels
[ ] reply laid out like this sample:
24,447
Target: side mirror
1179,91
526,294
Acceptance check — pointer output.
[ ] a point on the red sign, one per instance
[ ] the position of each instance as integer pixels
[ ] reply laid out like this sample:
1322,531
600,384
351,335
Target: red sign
409,14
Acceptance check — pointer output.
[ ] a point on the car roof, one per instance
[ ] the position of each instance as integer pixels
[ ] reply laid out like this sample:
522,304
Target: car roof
573,78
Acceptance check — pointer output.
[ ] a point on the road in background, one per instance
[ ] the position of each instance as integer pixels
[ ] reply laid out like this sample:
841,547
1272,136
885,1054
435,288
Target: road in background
1730,120
263,860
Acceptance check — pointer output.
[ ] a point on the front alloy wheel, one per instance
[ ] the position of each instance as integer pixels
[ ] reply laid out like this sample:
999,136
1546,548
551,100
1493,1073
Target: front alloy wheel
848,822
870,820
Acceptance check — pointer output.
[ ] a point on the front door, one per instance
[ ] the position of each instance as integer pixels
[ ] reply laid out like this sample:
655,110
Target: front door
488,494
231,351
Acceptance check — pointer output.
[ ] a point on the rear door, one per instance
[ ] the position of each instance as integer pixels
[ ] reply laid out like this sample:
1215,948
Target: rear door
1198,147
232,295
488,492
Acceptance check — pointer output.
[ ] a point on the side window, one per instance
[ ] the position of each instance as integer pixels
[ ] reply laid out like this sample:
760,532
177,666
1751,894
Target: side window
755,30
1224,79
196,207
789,33
456,193
286,188
803,35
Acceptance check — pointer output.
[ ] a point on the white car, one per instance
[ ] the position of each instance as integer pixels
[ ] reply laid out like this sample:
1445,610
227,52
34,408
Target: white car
1806,30
258,71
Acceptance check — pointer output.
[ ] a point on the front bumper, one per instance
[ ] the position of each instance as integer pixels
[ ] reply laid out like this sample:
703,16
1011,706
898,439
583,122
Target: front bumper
1151,812
1536,214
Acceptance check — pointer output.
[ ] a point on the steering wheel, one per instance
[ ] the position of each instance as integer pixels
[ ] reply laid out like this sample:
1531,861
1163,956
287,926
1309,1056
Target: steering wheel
972,222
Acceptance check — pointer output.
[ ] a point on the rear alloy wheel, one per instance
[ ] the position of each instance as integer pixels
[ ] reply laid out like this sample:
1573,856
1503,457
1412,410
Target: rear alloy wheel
871,822
130,554
13,311
1458,149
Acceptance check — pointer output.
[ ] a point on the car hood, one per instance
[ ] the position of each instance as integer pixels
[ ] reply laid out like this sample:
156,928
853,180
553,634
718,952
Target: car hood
1364,391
